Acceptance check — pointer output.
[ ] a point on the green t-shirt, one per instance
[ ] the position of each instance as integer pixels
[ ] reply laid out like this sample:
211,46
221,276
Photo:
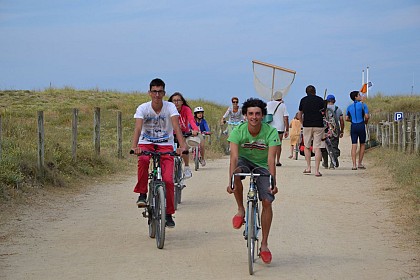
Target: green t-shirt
255,149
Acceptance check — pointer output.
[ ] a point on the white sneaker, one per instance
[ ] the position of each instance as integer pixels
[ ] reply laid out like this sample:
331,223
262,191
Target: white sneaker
187,172
203,162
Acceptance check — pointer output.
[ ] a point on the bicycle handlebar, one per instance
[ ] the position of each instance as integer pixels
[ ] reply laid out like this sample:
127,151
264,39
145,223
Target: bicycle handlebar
253,175
150,153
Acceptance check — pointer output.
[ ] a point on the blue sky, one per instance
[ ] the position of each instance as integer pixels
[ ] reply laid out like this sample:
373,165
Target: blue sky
204,49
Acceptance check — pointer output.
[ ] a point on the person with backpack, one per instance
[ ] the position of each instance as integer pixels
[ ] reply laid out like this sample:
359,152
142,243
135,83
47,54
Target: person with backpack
339,131
280,121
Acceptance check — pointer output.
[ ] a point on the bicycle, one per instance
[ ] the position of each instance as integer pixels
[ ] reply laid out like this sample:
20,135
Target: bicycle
155,209
179,174
178,180
252,215
230,126
197,153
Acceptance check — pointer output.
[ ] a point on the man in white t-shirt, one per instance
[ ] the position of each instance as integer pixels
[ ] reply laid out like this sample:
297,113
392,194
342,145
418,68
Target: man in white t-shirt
156,122
280,120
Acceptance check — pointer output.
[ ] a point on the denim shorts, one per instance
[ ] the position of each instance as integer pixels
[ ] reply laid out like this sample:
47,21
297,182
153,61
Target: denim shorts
263,182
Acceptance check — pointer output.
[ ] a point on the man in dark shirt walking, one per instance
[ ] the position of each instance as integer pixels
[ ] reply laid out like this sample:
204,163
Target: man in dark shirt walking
311,115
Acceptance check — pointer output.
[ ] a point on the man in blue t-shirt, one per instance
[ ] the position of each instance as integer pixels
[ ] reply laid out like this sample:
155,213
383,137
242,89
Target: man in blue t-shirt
358,115
253,146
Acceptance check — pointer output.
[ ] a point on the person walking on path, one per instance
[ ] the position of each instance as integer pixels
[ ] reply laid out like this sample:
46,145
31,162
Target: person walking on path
295,129
280,120
358,115
339,131
156,122
254,144
311,109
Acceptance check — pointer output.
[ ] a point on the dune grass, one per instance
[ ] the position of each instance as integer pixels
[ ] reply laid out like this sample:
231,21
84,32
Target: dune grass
400,171
19,174
18,110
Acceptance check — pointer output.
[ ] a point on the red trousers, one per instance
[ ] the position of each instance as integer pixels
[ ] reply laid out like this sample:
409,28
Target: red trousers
167,164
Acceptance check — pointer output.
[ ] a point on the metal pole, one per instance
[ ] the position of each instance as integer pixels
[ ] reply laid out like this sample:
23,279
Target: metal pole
367,82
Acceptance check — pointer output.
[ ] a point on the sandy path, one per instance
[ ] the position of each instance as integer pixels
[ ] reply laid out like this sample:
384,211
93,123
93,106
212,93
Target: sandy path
333,227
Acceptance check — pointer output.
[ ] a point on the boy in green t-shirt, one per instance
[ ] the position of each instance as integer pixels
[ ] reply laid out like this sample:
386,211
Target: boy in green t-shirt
253,144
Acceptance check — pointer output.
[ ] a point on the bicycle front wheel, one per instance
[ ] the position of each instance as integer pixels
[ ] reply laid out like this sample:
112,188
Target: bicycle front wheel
150,214
251,238
160,215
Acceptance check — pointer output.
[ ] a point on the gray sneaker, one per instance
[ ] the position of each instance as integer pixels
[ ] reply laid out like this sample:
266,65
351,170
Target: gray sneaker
187,172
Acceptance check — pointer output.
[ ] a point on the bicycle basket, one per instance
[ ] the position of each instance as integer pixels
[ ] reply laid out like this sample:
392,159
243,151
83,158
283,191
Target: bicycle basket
194,141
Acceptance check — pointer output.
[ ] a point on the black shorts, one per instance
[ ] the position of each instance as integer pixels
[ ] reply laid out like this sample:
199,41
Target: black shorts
263,182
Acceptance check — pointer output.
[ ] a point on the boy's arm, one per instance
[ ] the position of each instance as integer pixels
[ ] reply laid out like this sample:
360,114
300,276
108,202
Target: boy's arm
286,126
366,116
272,165
234,154
136,136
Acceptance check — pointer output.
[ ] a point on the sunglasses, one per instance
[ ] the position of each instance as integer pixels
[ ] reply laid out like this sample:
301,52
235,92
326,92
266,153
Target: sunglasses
235,102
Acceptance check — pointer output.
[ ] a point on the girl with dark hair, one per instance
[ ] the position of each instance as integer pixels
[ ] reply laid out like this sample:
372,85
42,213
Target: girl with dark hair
186,120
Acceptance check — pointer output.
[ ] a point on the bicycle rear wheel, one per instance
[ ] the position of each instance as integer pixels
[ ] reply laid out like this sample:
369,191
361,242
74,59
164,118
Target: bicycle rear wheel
196,158
177,198
251,238
160,215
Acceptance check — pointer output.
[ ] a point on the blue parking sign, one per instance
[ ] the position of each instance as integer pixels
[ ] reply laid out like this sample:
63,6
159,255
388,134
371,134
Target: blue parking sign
398,116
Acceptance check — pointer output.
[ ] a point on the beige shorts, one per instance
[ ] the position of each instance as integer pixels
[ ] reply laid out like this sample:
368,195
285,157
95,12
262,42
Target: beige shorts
313,133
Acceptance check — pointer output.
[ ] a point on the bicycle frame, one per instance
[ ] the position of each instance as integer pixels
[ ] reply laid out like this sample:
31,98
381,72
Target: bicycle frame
156,208
252,216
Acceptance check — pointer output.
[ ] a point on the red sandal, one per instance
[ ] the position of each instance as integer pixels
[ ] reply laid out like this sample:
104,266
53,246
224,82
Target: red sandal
266,256
237,221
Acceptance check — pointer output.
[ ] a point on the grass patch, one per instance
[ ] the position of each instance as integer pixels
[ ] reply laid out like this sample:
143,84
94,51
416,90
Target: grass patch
19,174
400,176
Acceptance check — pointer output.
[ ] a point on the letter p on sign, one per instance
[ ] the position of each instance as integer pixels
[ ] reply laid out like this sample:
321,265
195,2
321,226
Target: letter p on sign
398,116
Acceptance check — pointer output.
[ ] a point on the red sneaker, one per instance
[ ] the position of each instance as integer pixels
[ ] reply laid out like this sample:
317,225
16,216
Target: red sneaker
237,221
266,256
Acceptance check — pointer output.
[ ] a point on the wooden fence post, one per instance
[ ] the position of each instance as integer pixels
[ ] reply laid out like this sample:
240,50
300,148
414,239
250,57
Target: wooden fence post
383,138
411,134
417,145
400,130
0,138
97,130
394,134
404,135
119,134
74,134
41,142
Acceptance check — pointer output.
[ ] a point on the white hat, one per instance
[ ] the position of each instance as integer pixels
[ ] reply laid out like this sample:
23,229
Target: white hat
194,141
277,95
